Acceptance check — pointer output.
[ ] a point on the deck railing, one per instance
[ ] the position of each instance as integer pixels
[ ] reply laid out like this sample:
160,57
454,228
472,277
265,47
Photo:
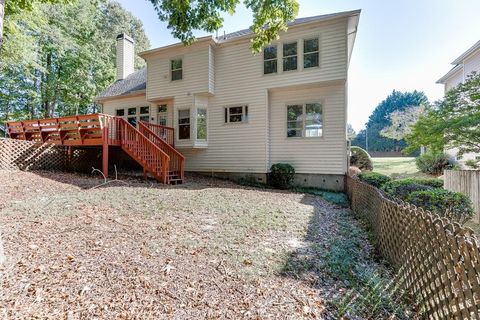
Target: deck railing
177,160
164,132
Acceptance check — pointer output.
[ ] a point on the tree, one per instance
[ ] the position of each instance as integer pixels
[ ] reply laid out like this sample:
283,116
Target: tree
401,122
453,122
380,119
351,134
183,17
56,58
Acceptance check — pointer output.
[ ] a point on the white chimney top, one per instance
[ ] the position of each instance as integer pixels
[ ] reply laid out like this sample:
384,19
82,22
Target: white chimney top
125,56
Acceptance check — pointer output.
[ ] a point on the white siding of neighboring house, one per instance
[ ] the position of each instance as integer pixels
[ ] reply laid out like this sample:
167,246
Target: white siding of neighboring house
472,64
454,80
239,79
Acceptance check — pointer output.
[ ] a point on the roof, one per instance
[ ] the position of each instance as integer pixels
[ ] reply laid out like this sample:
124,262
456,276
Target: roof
134,83
450,73
137,82
465,55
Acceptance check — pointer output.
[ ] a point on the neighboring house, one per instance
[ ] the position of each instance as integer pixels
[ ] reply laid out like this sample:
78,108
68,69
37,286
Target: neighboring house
467,63
236,113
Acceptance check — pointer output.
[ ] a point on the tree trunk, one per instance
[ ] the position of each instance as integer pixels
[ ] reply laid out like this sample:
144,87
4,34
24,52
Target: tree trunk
2,14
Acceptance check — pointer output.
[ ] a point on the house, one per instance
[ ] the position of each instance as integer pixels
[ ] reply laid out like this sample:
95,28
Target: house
466,64
236,113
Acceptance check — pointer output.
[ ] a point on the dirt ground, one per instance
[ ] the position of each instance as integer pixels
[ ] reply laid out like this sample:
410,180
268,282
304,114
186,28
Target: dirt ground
208,249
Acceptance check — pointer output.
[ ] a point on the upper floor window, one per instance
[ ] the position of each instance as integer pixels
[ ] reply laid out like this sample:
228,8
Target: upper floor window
270,60
236,114
304,120
176,69
310,53
290,56
184,124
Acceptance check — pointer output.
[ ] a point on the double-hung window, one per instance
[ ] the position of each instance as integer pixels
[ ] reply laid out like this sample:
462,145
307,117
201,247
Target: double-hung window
162,115
176,69
270,60
304,120
201,124
133,114
310,53
290,56
184,124
236,114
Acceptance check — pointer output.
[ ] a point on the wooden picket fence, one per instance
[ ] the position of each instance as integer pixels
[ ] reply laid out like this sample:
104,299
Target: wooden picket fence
436,261
467,182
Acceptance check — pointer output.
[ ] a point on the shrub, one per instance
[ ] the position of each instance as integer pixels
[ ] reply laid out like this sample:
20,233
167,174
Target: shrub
433,162
373,178
434,183
281,175
360,159
452,205
402,188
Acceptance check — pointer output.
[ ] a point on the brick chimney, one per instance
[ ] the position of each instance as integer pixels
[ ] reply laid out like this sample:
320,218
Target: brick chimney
125,56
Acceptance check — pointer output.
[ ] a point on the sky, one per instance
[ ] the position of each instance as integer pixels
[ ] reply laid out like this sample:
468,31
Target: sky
401,45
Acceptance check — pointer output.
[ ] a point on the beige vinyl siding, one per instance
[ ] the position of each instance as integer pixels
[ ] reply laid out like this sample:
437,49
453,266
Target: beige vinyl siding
195,79
323,155
454,80
211,70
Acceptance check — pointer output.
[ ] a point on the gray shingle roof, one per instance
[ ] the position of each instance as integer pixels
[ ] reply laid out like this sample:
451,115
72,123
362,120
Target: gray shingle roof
137,81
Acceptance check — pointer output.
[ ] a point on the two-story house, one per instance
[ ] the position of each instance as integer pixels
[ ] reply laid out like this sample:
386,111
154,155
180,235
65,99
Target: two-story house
466,64
236,113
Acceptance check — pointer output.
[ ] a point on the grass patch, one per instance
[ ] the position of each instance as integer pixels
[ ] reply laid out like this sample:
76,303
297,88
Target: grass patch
338,198
397,168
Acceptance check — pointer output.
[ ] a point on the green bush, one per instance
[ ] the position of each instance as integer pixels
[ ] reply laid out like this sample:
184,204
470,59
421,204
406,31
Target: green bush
281,175
360,159
452,205
433,162
402,188
434,183
373,178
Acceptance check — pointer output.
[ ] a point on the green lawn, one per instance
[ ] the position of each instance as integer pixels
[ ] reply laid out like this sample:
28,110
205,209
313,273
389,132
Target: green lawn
397,167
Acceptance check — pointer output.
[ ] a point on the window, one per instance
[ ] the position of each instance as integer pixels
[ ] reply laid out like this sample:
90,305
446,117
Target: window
120,112
134,114
176,69
184,124
202,124
270,60
290,56
162,115
310,53
304,120
132,111
236,114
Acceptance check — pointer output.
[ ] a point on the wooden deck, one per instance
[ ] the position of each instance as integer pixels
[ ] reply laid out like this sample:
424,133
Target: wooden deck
154,152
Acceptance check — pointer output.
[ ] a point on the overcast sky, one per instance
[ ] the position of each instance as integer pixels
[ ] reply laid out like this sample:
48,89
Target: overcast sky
401,45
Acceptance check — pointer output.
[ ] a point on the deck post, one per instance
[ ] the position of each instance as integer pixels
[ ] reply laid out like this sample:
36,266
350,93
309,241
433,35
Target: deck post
105,151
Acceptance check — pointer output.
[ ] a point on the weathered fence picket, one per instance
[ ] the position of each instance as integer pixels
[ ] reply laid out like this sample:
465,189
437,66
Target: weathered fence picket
467,182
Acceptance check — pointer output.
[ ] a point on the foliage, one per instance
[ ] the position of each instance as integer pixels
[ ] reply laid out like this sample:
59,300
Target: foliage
433,162
380,119
57,58
402,122
183,17
452,205
360,159
402,188
453,122
351,134
374,178
281,175
338,198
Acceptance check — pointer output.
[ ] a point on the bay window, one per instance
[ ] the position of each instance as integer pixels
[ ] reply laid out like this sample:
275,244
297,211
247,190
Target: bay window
201,124
184,124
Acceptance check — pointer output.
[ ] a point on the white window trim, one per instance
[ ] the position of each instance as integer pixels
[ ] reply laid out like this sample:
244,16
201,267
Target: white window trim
196,123
244,117
189,123
273,59
304,113
305,53
172,70
137,114
290,56
162,114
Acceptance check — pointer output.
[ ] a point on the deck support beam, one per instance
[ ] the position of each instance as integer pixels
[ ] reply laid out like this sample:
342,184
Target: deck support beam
105,152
